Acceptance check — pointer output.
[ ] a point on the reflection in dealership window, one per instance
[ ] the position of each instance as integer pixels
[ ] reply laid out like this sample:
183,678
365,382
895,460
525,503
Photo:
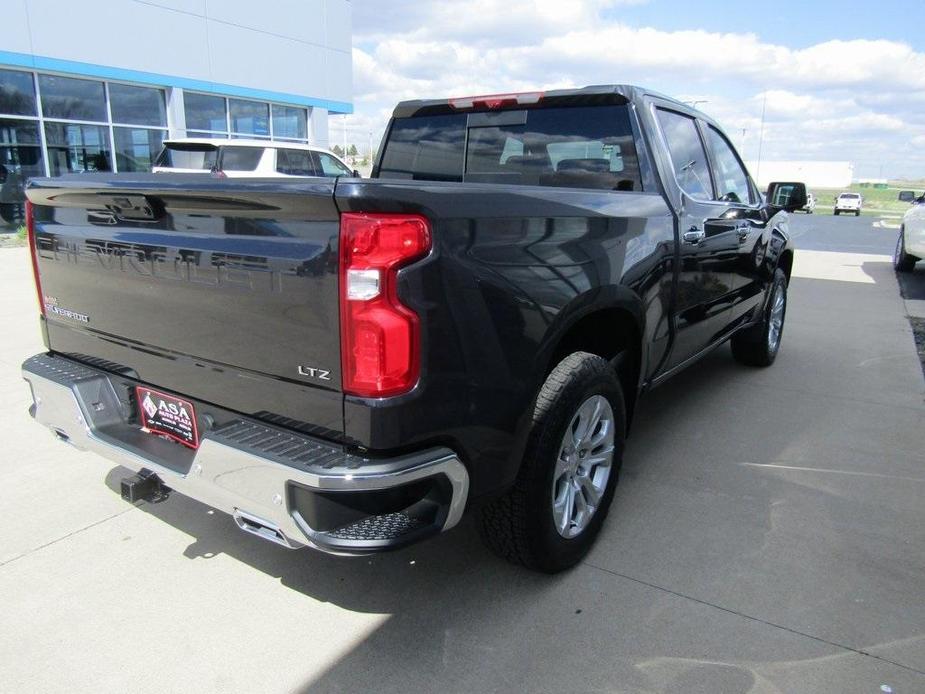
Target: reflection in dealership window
289,122
65,97
137,105
249,117
20,159
75,147
205,112
136,148
17,93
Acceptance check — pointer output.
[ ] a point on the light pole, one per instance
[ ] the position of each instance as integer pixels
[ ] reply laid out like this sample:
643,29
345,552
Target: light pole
764,108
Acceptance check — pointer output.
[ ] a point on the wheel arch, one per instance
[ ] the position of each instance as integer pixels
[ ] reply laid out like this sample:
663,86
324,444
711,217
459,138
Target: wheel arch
612,326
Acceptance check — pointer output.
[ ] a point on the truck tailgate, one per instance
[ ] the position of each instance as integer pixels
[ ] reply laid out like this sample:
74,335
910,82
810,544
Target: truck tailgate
216,289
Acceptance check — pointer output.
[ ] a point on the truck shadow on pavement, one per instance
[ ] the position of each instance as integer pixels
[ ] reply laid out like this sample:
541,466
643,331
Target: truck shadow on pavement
691,549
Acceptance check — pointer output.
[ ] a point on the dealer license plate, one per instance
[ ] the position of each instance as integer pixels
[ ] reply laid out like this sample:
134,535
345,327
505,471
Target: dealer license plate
167,415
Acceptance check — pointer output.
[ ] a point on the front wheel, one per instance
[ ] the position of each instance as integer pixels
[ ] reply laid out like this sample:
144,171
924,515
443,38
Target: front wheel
857,213
902,261
758,345
551,517
836,213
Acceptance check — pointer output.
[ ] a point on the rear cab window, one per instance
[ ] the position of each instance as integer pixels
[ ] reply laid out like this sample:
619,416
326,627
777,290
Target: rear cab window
569,146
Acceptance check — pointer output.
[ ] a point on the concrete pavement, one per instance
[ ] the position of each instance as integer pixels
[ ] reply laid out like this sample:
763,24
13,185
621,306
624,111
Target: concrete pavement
768,536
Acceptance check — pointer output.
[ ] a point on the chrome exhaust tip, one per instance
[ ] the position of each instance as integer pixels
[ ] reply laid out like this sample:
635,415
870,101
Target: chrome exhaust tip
250,523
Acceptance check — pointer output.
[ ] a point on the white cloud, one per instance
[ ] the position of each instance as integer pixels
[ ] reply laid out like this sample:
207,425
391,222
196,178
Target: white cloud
860,100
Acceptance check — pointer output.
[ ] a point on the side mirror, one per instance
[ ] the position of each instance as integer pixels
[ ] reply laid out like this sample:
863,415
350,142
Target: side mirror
906,196
788,196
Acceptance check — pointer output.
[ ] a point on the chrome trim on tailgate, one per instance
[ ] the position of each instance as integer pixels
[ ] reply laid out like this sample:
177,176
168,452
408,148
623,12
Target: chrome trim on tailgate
242,469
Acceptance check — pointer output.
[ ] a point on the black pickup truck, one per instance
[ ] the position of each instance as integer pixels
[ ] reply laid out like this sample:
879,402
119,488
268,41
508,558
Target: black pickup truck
349,364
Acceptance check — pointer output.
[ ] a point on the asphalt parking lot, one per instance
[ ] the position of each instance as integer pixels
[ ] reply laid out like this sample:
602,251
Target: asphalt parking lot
768,536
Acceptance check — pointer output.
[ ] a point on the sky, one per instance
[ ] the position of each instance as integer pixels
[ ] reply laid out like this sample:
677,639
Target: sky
841,81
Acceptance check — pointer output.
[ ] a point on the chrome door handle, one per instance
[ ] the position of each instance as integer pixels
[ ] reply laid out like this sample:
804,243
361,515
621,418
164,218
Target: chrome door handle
694,235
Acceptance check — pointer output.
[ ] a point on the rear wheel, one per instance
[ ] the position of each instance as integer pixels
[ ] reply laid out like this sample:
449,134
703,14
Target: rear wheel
550,518
758,345
836,213
857,213
902,261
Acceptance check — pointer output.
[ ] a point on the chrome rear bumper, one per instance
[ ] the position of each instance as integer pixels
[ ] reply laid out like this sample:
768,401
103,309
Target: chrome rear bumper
271,480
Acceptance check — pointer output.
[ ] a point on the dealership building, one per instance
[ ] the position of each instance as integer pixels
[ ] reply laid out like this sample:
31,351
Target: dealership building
98,85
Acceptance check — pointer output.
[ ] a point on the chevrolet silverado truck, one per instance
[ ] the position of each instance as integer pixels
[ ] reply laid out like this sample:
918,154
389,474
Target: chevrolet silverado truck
351,364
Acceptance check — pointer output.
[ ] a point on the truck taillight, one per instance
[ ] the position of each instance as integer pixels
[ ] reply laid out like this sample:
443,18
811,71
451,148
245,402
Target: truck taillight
380,336
33,251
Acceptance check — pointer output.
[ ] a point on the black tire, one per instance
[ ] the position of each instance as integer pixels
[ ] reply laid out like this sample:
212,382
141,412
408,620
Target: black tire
753,345
902,261
11,213
520,525
836,213
857,214
809,211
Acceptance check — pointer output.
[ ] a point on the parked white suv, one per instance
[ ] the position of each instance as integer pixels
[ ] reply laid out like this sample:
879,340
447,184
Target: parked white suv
248,159
848,202
910,245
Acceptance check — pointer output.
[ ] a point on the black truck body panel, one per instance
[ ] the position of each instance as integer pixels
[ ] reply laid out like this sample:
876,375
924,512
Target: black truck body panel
221,297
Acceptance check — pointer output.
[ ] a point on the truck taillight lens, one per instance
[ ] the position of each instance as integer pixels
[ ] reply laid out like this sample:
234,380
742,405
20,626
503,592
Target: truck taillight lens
380,336
33,250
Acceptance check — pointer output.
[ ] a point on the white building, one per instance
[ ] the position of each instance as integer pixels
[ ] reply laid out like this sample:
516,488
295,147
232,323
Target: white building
815,174
98,84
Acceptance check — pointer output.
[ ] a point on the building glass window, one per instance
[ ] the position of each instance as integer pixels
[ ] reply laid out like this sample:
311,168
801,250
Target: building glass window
75,147
249,117
205,112
97,125
20,159
17,93
289,122
137,105
136,148
72,99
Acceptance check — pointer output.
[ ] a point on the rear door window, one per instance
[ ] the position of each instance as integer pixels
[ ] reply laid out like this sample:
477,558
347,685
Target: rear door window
688,157
241,158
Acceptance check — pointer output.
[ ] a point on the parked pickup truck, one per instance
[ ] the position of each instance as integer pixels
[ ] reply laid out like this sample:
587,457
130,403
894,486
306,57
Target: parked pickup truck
349,364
